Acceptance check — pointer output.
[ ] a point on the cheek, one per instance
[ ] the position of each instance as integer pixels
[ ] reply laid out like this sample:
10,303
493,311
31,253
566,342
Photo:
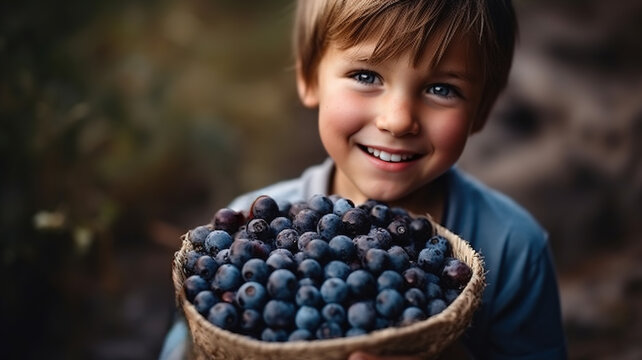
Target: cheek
341,115
449,133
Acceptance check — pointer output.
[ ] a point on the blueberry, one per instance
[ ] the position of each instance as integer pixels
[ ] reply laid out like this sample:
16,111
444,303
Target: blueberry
229,297
216,241
260,249
329,330
228,277
194,285
274,335
318,250
251,295
435,306
224,315
305,220
305,238
433,278
284,207
299,257
264,207
284,252
336,269
282,285
287,239
390,279
383,237
415,297
389,303
363,243
251,321
399,231
198,234
190,261
342,248
399,213
204,300
279,314
455,273
279,224
414,277
223,257
227,220
382,323
431,259
334,312
355,332
411,315
321,204
380,215
399,259
310,268
307,317
369,204
362,284
280,261
362,315
433,291
355,222
341,206
421,229
334,290
441,243
451,294
308,295
307,281
329,226
376,260
259,229
300,334
295,208
240,251
206,267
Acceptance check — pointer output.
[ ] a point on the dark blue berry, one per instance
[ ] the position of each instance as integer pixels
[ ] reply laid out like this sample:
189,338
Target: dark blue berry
251,321
334,290
334,312
190,261
227,278
431,259
355,332
441,243
399,259
204,300
198,234
300,334
380,215
411,315
217,240
251,295
308,295
341,206
274,335
363,243
336,268
310,268
227,220
362,315
399,231
376,261
414,277
329,330
342,248
355,222
259,229
329,226
451,294
435,306
321,204
279,224
390,279
415,297
306,220
307,317
279,314
305,238
194,285
280,261
455,273
383,237
206,267
223,257
362,284
287,239
433,291
421,229
389,303
282,285
224,315
240,251
264,207
318,250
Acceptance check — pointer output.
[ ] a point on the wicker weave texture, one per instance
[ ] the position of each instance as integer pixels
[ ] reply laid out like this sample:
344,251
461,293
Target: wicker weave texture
426,338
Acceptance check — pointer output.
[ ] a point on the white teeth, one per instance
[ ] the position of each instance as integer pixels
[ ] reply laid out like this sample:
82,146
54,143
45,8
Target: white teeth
385,156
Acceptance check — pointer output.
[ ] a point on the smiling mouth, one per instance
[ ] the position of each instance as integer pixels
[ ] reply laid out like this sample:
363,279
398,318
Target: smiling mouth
388,157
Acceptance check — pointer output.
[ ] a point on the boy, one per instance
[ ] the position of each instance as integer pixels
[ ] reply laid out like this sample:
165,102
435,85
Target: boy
399,87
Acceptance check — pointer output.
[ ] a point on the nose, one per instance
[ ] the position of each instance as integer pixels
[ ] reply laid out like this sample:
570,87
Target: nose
398,117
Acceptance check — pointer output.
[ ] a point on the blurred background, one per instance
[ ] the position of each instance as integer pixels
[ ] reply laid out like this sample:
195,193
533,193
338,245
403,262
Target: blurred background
125,123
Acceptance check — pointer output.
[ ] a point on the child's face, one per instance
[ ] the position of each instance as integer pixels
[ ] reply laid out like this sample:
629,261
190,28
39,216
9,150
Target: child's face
392,128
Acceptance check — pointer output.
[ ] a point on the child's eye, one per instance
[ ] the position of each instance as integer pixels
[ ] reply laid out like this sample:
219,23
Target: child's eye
442,90
366,77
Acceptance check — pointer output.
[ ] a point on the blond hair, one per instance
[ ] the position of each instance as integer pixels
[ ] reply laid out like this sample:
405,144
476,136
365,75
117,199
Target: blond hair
399,26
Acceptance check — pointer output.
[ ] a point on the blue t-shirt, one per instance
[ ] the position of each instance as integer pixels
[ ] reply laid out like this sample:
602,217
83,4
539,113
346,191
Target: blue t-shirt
519,317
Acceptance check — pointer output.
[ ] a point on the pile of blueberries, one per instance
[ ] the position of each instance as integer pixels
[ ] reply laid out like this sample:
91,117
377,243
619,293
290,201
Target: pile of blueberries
319,269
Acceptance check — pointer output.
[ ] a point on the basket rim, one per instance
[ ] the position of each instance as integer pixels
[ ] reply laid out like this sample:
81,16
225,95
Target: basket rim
465,304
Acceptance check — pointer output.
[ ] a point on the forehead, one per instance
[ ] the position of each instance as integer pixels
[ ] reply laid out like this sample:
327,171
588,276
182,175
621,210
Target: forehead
460,55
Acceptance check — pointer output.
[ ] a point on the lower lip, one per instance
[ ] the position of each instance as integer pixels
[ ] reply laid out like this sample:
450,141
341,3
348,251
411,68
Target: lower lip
390,166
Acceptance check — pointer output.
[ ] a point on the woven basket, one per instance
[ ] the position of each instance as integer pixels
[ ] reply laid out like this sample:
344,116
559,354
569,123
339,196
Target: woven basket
426,338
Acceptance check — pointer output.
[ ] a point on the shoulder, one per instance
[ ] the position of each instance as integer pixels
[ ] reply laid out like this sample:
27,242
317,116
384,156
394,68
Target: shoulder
312,180
488,216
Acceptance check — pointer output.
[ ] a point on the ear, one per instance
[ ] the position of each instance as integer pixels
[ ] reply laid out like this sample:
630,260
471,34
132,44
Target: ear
307,92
